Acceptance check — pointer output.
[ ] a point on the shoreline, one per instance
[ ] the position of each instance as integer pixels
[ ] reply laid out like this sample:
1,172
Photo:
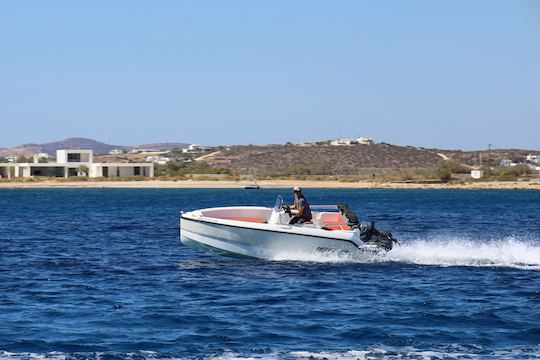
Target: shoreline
193,184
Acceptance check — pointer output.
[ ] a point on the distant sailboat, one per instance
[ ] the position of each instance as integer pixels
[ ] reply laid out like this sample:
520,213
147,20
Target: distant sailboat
253,185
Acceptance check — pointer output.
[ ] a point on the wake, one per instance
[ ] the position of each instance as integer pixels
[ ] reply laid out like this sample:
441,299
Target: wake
442,251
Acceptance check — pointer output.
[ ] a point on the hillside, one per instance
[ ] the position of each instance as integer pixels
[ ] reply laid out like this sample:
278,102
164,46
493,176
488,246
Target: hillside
81,143
363,160
354,160
472,158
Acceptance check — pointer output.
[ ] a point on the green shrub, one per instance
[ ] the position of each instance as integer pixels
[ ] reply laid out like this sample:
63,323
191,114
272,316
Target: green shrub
507,177
347,180
444,170
405,174
72,178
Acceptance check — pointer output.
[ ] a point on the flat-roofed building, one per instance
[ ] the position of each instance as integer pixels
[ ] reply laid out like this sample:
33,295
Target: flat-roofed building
75,163
477,173
74,156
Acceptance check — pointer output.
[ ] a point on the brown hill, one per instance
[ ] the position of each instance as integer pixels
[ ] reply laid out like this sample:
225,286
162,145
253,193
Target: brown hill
81,143
474,158
356,160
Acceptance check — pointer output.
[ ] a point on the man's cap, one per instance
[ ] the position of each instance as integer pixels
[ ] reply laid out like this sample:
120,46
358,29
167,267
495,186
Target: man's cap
297,188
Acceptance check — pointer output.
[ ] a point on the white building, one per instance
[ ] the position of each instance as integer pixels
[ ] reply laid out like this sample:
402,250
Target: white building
533,162
139,151
364,140
341,142
532,159
359,140
75,163
477,173
38,157
194,149
116,152
507,163
74,156
160,160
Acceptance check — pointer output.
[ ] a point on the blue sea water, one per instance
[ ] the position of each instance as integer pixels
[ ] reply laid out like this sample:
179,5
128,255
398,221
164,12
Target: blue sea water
101,273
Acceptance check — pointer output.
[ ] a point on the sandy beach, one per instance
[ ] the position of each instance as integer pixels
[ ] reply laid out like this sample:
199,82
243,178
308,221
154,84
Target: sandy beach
191,184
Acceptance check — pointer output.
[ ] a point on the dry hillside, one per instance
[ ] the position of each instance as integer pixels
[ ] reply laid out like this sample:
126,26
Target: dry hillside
357,160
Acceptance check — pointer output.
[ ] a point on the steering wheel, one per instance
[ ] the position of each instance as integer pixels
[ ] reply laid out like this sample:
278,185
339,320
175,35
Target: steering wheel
287,209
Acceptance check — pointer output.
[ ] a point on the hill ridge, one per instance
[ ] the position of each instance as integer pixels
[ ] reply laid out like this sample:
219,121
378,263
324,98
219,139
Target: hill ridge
81,143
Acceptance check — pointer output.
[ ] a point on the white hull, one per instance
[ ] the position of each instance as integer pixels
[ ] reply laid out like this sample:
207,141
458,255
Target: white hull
262,240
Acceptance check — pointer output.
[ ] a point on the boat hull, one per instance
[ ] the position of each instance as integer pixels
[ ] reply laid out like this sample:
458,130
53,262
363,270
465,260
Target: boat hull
237,240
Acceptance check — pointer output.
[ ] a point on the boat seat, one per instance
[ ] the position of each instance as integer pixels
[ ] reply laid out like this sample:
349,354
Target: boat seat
253,220
333,221
336,227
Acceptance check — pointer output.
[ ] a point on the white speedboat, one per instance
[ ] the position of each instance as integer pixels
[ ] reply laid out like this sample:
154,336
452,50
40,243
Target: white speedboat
265,233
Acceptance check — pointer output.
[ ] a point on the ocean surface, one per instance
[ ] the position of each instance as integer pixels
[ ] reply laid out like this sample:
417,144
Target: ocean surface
101,273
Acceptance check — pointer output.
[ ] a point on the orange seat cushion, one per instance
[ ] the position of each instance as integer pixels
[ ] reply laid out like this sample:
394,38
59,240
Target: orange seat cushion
253,220
334,222
336,227
333,218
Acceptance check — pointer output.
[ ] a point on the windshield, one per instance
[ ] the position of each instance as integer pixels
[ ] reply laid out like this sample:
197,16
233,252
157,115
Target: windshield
279,203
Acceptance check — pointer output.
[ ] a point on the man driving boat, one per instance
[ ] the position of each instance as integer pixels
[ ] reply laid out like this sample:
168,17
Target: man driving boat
300,210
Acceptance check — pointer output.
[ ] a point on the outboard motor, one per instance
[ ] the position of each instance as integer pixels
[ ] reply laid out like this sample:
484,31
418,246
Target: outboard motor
368,233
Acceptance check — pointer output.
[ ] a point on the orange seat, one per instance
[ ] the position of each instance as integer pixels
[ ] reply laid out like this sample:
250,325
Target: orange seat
333,221
253,220
336,227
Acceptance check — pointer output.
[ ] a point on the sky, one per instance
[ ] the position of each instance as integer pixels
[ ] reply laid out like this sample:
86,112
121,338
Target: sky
453,74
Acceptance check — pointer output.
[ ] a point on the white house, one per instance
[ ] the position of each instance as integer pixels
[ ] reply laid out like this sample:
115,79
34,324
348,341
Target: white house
116,152
74,156
507,163
195,148
139,151
364,140
160,160
341,142
533,159
359,140
40,156
477,173
75,163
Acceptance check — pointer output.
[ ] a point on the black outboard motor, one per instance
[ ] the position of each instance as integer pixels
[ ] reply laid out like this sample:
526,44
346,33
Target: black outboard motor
368,233
371,236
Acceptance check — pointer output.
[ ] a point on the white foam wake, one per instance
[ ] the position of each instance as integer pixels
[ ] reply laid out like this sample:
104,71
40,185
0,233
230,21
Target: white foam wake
442,251
508,252
454,351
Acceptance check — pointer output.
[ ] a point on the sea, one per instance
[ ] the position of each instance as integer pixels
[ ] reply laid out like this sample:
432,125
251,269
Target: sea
102,274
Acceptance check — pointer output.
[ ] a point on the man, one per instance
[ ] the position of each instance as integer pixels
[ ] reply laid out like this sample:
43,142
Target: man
300,209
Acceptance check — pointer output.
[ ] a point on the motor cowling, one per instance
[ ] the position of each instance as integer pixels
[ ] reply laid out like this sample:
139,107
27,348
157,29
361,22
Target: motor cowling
372,236
368,233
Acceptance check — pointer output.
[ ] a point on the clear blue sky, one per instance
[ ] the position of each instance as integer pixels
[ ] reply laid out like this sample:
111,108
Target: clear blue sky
449,74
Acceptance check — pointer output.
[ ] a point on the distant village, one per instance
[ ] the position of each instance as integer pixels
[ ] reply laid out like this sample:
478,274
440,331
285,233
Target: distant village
147,162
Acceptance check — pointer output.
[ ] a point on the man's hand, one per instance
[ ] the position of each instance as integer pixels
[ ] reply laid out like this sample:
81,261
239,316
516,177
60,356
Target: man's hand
287,209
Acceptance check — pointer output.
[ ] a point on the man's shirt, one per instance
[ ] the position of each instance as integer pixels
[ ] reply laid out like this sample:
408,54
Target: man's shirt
303,203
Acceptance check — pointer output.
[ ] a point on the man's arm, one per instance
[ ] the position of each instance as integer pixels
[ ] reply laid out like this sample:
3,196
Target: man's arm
300,209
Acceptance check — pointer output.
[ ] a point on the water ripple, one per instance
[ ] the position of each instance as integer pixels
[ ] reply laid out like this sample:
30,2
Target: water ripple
101,274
